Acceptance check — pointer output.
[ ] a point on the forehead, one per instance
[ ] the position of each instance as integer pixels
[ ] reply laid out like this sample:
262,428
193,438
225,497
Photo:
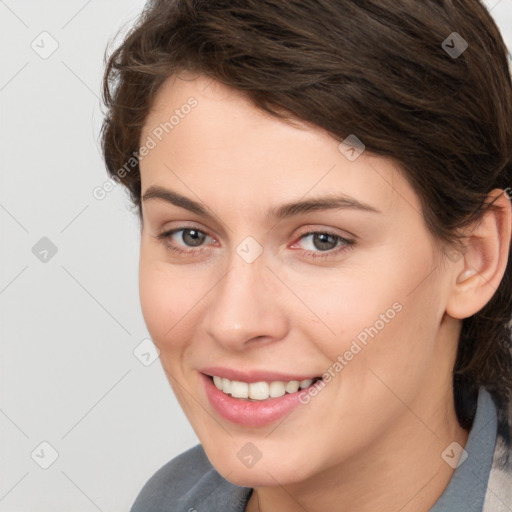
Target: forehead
206,134
201,111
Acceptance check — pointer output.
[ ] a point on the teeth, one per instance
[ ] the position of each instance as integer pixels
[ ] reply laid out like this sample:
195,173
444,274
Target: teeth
305,383
277,389
226,385
293,386
239,389
259,390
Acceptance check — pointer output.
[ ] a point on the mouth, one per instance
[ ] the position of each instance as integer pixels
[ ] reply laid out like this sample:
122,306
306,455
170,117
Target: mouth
261,390
257,403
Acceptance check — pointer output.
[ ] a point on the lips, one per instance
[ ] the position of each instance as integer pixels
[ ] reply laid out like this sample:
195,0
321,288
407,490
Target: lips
246,412
255,375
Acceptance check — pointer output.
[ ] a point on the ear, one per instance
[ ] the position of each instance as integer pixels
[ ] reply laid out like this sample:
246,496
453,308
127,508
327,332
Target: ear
477,276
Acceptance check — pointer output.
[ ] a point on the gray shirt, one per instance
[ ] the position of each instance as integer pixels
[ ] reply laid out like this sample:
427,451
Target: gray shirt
189,483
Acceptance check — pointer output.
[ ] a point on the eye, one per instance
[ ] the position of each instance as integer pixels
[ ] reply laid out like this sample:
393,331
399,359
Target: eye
189,236
190,241
325,242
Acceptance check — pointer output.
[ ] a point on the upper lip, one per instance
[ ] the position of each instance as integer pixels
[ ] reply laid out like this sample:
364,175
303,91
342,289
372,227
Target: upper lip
254,375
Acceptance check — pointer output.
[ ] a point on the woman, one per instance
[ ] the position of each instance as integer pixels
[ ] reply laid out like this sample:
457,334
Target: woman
323,188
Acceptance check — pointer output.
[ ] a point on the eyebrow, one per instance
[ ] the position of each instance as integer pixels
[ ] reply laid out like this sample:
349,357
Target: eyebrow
291,209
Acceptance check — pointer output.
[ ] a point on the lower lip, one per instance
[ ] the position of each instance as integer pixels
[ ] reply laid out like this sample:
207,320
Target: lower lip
250,414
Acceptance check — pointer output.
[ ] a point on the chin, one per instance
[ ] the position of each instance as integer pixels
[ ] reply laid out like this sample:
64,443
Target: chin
260,477
266,472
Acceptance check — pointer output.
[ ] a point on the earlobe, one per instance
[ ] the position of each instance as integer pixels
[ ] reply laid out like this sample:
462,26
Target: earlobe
485,259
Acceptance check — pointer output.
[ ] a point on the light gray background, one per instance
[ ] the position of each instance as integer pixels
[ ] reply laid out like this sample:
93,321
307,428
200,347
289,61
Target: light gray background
70,324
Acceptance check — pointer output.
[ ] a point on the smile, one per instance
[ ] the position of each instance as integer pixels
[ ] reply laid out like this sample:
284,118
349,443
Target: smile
234,402
260,390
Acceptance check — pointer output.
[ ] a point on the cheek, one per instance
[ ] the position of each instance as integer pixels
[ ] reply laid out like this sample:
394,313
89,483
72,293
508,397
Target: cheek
380,317
165,301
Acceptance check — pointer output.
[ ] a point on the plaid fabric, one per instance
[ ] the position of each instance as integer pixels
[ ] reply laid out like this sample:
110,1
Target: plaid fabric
498,497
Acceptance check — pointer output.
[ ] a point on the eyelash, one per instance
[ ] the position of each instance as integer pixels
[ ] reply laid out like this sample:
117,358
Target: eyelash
344,246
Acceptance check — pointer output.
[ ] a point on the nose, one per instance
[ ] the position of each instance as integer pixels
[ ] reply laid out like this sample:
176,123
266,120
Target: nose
247,305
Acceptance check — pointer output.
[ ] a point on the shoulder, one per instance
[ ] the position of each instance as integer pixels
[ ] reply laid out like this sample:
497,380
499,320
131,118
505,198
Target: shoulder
189,482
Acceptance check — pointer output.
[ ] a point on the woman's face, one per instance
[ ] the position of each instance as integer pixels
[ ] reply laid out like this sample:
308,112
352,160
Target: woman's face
236,283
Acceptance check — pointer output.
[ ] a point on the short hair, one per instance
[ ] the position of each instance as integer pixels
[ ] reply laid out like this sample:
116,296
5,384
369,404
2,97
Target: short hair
426,83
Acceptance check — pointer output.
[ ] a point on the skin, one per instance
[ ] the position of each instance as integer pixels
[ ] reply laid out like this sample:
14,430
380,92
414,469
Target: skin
372,438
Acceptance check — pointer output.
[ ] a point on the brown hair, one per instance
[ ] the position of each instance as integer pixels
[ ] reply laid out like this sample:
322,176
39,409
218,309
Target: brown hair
380,69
